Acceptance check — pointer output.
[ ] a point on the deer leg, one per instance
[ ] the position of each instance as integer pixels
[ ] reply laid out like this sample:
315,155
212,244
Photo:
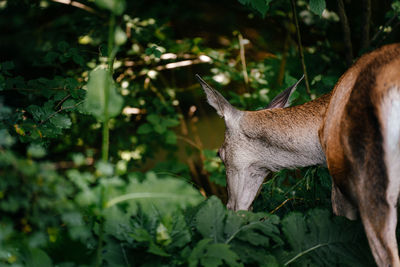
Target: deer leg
379,216
341,205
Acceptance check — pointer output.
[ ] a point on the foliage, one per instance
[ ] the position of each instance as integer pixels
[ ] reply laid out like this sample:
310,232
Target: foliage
103,158
214,166
210,235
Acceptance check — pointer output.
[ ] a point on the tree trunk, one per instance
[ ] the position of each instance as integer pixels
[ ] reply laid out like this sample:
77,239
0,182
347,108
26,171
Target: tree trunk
346,32
366,18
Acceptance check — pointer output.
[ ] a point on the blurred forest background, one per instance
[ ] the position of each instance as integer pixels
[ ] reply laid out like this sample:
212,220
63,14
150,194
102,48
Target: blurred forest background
108,147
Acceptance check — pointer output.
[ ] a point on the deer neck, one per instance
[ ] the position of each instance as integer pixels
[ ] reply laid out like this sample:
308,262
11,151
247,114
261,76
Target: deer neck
287,137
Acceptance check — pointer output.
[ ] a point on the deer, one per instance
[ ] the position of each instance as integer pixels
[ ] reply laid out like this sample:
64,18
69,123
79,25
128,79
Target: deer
354,131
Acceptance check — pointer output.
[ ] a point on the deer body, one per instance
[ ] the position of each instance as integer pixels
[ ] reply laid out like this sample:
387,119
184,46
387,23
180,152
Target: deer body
355,131
361,140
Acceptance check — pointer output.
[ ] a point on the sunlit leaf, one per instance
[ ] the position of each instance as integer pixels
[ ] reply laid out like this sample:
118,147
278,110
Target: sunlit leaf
115,6
119,36
61,121
6,139
36,151
167,194
99,83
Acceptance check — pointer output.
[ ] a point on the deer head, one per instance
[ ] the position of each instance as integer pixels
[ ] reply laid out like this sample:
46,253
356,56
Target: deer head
247,159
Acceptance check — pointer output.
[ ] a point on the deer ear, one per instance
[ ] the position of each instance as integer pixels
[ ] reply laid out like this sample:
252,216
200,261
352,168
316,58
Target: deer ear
217,101
282,100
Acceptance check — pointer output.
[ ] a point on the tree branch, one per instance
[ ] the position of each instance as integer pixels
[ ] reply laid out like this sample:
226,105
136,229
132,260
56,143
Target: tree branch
58,111
382,28
346,32
76,4
243,60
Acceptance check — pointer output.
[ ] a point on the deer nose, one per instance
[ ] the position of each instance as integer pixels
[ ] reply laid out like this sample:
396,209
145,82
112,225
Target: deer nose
230,205
235,206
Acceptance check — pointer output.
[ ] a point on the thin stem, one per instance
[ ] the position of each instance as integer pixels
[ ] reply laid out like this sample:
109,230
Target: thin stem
59,110
284,202
76,4
190,142
303,64
238,231
243,60
106,132
282,66
63,100
382,28
105,148
305,252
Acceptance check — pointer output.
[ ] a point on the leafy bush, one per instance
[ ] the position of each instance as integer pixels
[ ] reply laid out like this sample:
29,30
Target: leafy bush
103,161
210,235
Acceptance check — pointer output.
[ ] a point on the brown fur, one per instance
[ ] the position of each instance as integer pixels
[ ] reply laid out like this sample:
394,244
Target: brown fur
352,139
286,125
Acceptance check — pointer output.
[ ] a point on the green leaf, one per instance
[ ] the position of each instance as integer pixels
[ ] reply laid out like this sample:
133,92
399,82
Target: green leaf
154,119
72,218
145,129
325,241
6,66
167,194
141,235
51,57
36,151
180,233
2,82
37,258
396,7
78,59
71,84
262,6
6,139
213,255
217,253
40,113
104,168
210,219
157,250
114,253
119,36
170,138
153,51
115,6
197,252
171,122
160,128
62,46
69,104
61,121
317,6
99,82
